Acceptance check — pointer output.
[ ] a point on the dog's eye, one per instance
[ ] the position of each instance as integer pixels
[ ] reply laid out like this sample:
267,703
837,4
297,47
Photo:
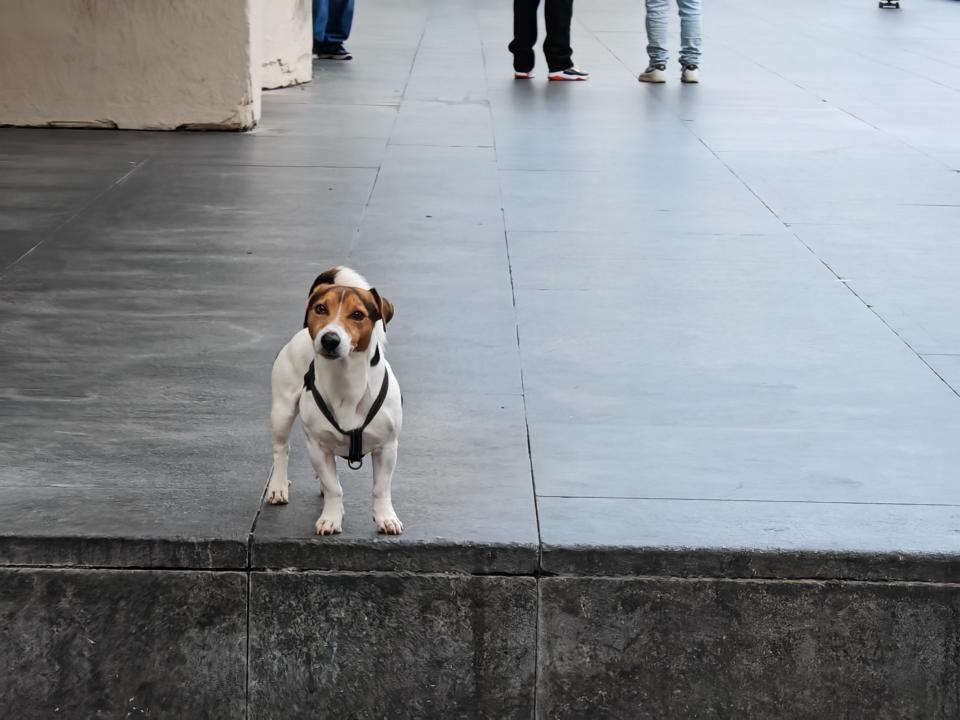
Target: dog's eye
320,309
357,315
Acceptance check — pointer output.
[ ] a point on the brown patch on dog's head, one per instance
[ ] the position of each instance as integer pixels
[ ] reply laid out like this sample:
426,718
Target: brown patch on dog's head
327,277
354,311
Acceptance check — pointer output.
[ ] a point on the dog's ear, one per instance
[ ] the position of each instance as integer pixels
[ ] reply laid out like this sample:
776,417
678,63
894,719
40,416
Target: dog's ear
384,306
306,314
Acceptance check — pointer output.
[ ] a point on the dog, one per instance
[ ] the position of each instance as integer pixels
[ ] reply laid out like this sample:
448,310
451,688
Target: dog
335,374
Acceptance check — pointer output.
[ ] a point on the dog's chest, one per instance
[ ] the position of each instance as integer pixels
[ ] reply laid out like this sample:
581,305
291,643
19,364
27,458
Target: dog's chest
318,428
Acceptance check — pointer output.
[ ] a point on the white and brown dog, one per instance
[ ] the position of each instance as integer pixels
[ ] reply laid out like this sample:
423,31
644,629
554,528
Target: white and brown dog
334,372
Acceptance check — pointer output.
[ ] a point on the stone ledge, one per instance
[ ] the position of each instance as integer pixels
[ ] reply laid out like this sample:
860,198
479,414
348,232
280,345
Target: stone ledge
745,563
119,552
439,555
395,555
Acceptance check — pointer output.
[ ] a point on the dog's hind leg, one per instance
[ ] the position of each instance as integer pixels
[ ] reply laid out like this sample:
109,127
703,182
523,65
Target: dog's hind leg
384,463
325,466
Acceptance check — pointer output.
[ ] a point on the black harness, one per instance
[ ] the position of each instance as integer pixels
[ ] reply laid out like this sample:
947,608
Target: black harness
355,457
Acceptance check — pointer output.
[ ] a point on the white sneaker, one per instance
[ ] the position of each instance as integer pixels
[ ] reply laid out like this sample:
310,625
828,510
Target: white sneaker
571,73
517,75
691,74
656,73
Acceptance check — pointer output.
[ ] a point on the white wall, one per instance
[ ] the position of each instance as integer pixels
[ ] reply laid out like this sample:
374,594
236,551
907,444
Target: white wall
287,42
147,64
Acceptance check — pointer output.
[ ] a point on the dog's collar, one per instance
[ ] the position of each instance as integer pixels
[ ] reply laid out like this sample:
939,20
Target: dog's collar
355,456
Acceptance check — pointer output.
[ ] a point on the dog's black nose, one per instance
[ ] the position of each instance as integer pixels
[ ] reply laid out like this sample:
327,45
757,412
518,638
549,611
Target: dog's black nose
329,341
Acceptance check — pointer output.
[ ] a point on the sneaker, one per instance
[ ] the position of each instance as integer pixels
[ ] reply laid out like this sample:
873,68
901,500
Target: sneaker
336,52
571,73
691,74
655,73
517,75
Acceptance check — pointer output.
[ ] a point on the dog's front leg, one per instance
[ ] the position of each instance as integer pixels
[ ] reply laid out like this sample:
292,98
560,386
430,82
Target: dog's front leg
384,462
286,386
282,414
325,466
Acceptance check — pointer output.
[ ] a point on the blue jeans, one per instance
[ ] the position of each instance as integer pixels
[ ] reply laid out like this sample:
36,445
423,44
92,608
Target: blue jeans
689,31
332,20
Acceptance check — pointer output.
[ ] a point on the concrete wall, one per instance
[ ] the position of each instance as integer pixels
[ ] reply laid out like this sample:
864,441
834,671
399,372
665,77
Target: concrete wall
287,43
116,63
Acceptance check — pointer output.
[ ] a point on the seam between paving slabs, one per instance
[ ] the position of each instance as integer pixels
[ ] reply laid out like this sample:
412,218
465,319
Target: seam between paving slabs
246,664
748,500
526,417
49,236
249,548
249,554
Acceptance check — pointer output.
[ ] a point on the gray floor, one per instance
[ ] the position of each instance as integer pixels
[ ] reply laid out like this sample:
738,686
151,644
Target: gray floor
719,317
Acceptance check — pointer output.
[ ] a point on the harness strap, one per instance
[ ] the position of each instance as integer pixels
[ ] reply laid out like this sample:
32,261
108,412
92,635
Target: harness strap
355,456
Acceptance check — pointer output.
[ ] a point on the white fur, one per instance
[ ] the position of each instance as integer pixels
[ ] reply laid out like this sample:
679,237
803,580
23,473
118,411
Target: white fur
350,278
349,385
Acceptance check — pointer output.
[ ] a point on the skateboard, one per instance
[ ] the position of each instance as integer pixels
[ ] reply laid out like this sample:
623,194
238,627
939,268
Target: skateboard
882,4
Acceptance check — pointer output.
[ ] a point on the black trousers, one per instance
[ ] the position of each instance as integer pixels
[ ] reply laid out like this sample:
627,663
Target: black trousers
556,46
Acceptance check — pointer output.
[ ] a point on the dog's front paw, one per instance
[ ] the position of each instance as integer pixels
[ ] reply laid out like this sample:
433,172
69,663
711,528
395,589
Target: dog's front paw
278,490
278,494
388,524
329,525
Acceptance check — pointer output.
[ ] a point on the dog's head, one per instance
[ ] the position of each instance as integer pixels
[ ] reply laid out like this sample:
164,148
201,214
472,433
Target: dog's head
342,319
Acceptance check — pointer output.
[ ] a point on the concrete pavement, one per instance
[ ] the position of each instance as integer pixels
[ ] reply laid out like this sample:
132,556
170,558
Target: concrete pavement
699,334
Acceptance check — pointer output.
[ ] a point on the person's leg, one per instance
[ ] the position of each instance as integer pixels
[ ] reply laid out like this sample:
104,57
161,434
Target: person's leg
524,34
689,32
321,11
339,23
556,45
657,31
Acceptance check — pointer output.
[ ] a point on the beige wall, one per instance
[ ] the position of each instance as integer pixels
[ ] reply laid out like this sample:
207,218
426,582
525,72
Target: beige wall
149,64
287,42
